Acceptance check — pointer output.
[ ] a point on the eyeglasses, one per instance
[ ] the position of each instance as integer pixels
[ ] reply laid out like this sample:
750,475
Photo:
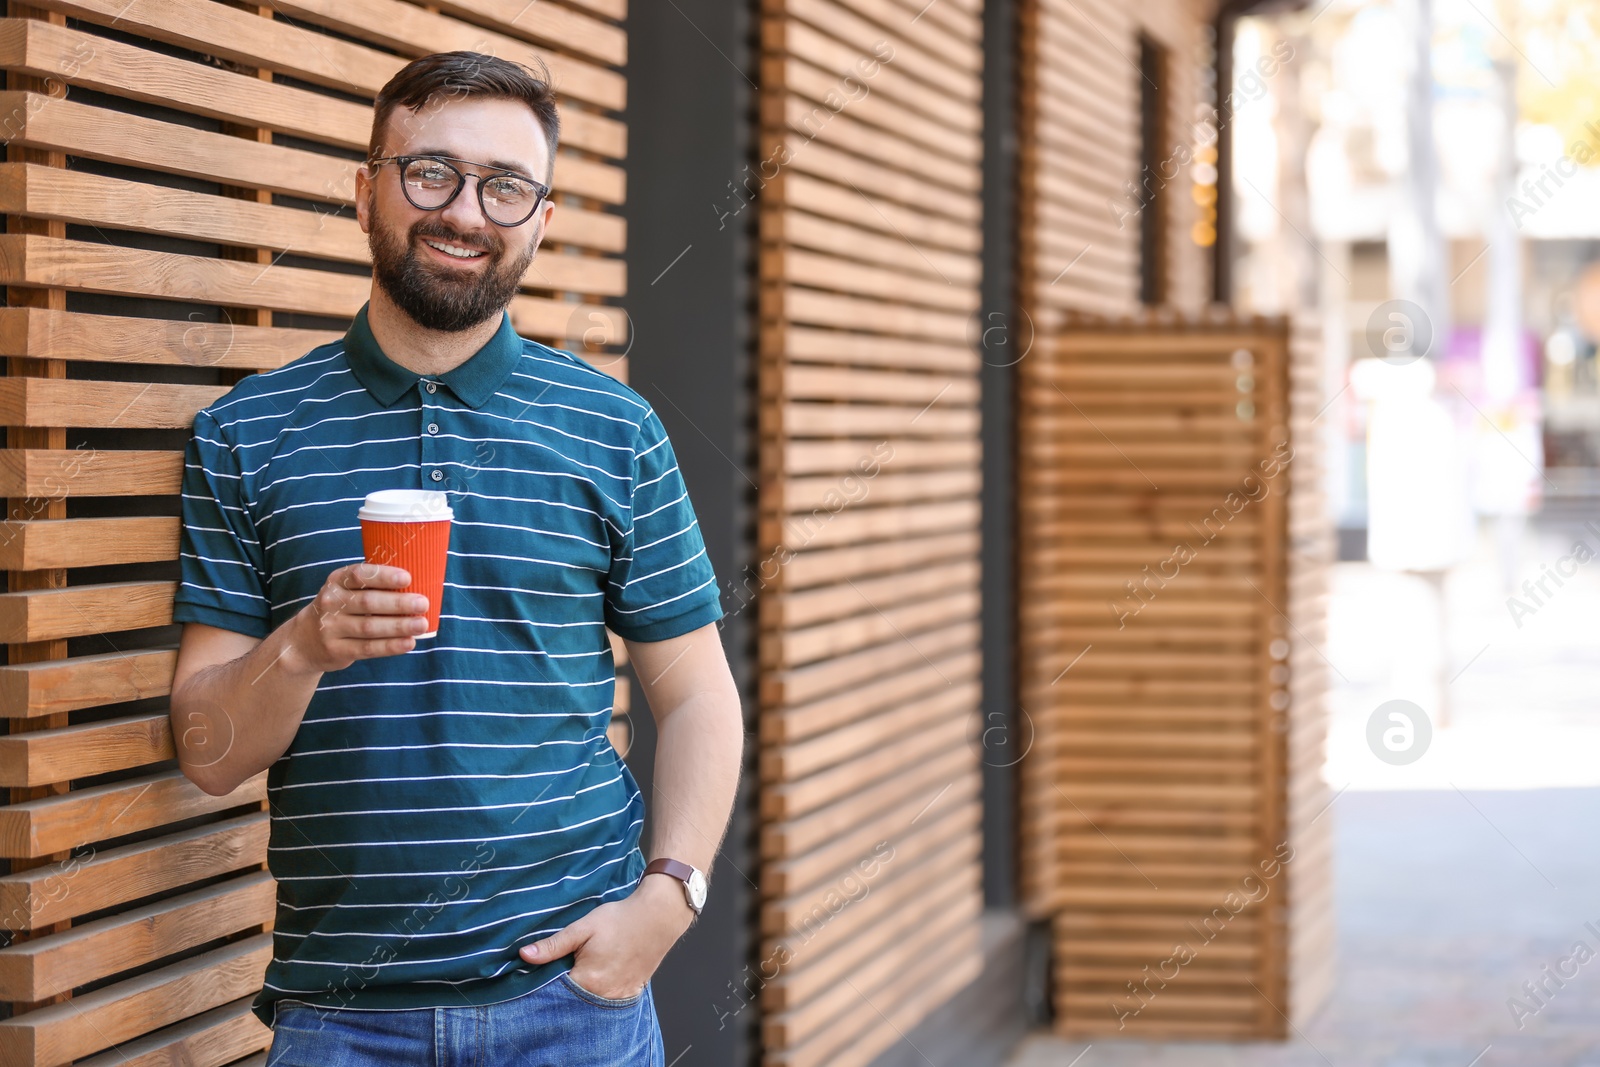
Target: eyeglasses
431,183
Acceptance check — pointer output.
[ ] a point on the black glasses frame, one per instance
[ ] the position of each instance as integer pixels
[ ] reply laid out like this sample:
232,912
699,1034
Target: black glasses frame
461,180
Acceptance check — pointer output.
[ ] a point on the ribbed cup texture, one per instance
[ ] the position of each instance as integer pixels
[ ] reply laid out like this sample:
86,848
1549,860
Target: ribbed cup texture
417,547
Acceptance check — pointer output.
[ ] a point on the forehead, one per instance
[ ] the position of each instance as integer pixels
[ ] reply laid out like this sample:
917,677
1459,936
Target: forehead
499,132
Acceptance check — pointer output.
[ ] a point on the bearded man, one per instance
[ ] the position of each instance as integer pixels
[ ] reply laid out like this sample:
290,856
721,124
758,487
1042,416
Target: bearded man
455,840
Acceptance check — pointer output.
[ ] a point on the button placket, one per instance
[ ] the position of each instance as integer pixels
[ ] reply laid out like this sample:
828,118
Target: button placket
428,415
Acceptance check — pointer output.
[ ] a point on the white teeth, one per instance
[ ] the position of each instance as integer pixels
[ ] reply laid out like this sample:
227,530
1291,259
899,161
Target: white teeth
455,250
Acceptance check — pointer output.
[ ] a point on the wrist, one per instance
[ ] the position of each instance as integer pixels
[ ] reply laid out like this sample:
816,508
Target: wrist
664,894
290,657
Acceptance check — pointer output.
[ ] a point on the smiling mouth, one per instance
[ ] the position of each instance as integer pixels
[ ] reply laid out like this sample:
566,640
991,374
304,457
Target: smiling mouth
455,251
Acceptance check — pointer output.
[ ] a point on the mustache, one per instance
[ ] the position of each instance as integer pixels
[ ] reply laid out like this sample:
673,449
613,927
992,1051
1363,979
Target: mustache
491,243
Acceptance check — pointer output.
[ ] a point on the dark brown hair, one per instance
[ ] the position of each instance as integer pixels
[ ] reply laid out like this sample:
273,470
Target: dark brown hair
454,75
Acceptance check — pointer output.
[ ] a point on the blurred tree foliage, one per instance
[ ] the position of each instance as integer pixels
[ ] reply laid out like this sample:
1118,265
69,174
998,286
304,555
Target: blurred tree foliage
1559,42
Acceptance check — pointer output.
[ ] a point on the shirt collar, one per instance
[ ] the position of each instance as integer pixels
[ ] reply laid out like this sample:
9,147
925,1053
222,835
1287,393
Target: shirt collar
474,380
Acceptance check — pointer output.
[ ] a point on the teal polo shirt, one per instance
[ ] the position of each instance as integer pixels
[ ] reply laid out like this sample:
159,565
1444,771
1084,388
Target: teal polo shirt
440,808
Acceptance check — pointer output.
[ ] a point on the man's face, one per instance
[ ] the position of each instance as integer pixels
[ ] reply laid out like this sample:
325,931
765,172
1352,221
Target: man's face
440,290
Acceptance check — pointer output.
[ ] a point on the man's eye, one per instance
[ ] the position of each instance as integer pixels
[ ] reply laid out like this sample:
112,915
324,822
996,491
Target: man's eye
508,189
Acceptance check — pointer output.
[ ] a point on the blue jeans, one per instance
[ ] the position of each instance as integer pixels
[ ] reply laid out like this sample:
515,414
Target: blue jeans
560,1024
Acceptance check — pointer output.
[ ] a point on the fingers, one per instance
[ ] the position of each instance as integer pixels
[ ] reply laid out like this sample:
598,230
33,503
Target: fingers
361,614
370,589
561,943
372,576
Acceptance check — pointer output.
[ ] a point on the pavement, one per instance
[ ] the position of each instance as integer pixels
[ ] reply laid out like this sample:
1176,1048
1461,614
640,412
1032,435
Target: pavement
1467,863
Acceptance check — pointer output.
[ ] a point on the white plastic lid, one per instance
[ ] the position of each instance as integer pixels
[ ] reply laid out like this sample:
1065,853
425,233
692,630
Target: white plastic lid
406,505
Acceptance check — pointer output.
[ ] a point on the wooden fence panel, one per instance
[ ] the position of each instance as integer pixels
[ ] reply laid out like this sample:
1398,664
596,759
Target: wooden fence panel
1080,185
177,191
1171,555
868,581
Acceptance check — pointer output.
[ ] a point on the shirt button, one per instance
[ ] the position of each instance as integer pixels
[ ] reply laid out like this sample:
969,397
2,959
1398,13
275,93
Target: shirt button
433,427
431,387
438,475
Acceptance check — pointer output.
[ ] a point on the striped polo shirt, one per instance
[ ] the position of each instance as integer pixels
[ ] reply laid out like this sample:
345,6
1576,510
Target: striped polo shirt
440,808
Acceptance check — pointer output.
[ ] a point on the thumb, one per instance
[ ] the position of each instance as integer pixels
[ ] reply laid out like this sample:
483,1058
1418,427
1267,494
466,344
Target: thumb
561,943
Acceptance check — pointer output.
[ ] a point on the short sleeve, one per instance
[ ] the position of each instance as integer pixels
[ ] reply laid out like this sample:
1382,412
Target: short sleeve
222,571
662,584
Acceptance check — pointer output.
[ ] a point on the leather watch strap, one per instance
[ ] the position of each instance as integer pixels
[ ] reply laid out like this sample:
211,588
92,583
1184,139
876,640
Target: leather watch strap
679,870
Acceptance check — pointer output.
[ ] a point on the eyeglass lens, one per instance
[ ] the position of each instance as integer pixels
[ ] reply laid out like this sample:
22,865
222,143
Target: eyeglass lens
506,199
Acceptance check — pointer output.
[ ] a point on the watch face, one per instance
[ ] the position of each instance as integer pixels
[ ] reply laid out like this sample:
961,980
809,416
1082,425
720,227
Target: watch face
697,889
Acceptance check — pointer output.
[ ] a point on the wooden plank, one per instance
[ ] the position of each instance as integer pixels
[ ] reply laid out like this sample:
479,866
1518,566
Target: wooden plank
863,1030
799,609
788,767
794,873
39,543
210,1039
46,474
288,48
33,970
49,614
57,823
817,1015
813,106
803,229
94,1021
808,306
861,23
898,684
860,420
41,757
48,334
885,931
546,24
414,31
111,66
825,52
826,271
41,896
82,402
53,687
821,196
872,626
871,18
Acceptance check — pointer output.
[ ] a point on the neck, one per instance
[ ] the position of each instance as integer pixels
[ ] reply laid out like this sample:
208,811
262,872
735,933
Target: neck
417,348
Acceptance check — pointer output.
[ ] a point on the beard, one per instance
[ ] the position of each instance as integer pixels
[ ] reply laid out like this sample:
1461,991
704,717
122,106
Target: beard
435,296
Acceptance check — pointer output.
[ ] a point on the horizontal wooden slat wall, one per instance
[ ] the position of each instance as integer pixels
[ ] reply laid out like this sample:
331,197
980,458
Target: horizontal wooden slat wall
177,190
1170,805
868,581
1310,815
1079,154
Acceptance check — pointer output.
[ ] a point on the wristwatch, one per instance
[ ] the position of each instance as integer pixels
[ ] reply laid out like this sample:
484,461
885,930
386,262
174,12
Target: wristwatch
694,882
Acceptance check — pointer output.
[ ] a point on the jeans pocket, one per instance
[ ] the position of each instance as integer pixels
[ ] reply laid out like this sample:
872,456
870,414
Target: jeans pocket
596,998
284,1005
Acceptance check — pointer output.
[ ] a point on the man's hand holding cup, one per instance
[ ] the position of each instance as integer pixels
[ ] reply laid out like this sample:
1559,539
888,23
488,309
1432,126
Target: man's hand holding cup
384,604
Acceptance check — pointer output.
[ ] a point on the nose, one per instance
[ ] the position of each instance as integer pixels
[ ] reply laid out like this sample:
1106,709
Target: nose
464,212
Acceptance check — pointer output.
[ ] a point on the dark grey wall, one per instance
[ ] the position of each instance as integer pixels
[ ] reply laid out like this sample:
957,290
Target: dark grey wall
691,124
1005,338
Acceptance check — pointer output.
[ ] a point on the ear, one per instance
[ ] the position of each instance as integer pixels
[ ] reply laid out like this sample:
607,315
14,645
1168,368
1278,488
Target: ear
364,179
546,209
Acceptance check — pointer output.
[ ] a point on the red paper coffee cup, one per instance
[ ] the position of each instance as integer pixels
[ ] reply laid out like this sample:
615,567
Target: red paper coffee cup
410,529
